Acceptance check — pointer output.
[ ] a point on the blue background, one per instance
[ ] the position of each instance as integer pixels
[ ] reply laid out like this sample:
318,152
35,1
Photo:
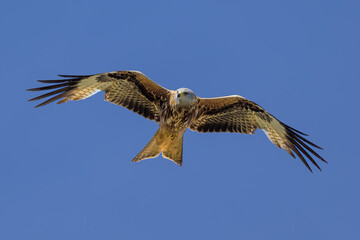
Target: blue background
66,171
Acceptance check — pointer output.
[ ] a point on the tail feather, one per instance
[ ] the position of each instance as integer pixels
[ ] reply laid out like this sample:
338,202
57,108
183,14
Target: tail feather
162,142
174,151
153,148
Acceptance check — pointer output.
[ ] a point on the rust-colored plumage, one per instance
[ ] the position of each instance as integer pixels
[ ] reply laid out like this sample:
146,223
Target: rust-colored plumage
176,111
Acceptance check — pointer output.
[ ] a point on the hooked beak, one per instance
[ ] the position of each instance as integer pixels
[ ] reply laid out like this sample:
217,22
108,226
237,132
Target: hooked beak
180,94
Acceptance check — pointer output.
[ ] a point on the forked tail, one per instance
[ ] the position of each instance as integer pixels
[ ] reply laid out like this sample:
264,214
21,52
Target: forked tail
162,141
174,151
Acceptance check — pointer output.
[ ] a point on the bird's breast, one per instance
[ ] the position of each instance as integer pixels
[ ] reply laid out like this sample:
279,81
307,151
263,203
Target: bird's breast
177,119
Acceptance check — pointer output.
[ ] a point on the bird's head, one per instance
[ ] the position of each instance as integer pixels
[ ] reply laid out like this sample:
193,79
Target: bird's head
185,97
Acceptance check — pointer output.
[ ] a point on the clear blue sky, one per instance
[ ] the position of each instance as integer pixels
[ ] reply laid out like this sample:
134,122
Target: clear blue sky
66,171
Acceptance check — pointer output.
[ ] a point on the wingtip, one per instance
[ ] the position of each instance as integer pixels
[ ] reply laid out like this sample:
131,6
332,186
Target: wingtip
74,76
318,167
41,104
308,167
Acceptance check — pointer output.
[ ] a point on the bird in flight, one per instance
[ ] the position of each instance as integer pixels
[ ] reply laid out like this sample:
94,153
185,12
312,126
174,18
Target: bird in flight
176,111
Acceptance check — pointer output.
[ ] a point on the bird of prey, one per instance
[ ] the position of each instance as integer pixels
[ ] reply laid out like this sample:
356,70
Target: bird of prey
176,111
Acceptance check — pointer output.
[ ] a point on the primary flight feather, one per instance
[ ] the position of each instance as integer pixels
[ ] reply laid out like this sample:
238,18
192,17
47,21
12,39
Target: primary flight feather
176,111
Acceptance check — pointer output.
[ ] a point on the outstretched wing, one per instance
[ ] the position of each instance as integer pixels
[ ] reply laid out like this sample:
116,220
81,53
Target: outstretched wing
237,114
130,89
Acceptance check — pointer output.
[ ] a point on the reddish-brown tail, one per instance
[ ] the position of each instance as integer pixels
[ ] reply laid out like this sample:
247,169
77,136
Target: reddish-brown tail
162,141
174,150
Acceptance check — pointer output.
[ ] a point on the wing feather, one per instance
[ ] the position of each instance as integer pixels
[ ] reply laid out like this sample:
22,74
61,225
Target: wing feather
130,89
60,90
237,114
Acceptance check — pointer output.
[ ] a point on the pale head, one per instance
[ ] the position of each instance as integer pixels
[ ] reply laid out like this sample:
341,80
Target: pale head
185,97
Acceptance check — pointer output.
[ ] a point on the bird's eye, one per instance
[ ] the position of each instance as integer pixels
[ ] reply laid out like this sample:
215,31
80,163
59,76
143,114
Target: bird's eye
186,93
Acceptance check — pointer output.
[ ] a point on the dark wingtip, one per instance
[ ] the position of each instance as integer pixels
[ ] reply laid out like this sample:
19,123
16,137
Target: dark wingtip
61,89
39,105
299,145
307,165
65,76
32,89
287,126
74,76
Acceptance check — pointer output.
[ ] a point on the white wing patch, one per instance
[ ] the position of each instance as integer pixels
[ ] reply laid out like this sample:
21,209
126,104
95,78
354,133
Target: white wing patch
276,133
88,87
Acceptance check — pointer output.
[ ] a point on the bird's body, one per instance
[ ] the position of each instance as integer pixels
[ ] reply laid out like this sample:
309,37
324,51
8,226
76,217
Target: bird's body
176,111
176,116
